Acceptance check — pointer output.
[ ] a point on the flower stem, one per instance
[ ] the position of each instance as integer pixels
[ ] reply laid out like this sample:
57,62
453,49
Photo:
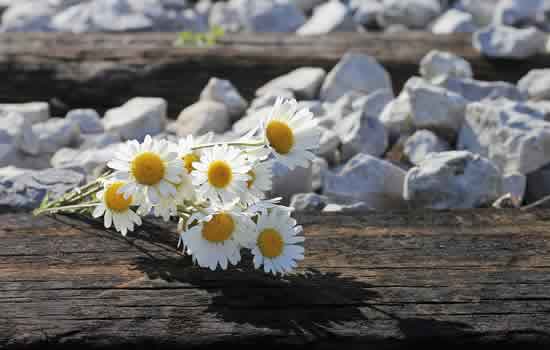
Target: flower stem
234,143
65,207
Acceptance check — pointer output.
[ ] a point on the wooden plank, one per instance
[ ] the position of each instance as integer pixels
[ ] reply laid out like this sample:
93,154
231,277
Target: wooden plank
388,281
104,70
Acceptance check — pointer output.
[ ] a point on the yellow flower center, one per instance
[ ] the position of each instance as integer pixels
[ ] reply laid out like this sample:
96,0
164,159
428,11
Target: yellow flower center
219,174
148,168
250,182
188,161
219,228
115,201
270,243
280,136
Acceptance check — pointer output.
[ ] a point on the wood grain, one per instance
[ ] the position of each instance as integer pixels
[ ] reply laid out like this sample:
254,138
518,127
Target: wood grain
105,70
378,281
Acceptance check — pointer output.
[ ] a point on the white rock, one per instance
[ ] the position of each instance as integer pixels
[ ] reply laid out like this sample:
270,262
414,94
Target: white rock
536,84
415,14
482,11
27,16
11,172
251,121
222,91
436,109
328,145
439,64
287,183
366,12
512,139
34,112
333,16
99,140
454,21
56,133
509,42
308,202
259,16
20,129
88,160
318,167
423,142
514,184
303,82
308,5
365,178
137,118
362,134
268,99
87,119
373,104
355,72
397,116
343,208
202,117
452,180
519,12
225,16
8,149
476,90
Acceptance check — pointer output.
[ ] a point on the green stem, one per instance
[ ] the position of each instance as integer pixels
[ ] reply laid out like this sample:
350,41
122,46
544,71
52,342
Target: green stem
232,143
65,207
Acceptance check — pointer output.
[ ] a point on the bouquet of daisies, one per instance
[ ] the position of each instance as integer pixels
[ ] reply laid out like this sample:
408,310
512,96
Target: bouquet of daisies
216,191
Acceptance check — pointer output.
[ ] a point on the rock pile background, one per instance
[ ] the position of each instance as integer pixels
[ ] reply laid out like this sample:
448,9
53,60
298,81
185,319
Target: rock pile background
501,28
445,141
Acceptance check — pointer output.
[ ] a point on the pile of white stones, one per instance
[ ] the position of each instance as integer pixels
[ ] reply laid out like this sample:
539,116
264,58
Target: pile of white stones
446,141
501,28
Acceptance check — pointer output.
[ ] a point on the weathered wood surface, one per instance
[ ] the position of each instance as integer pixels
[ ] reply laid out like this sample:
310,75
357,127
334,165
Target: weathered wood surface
370,281
104,70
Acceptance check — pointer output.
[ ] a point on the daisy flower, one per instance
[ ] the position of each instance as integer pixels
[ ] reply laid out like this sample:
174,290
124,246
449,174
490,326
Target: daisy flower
115,208
215,239
291,134
274,245
260,181
221,174
148,168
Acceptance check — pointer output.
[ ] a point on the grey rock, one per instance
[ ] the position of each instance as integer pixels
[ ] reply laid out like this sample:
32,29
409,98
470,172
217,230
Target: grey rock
509,42
8,150
436,108
365,178
454,21
308,202
452,180
437,65
514,139
538,184
87,119
328,145
366,12
355,72
99,140
28,189
333,16
202,117
423,142
397,116
362,134
519,12
225,16
268,98
287,183
137,118
259,16
515,184
372,105
536,84
27,16
476,90
308,5
251,121
415,14
222,91
21,132
304,83
56,133
34,112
